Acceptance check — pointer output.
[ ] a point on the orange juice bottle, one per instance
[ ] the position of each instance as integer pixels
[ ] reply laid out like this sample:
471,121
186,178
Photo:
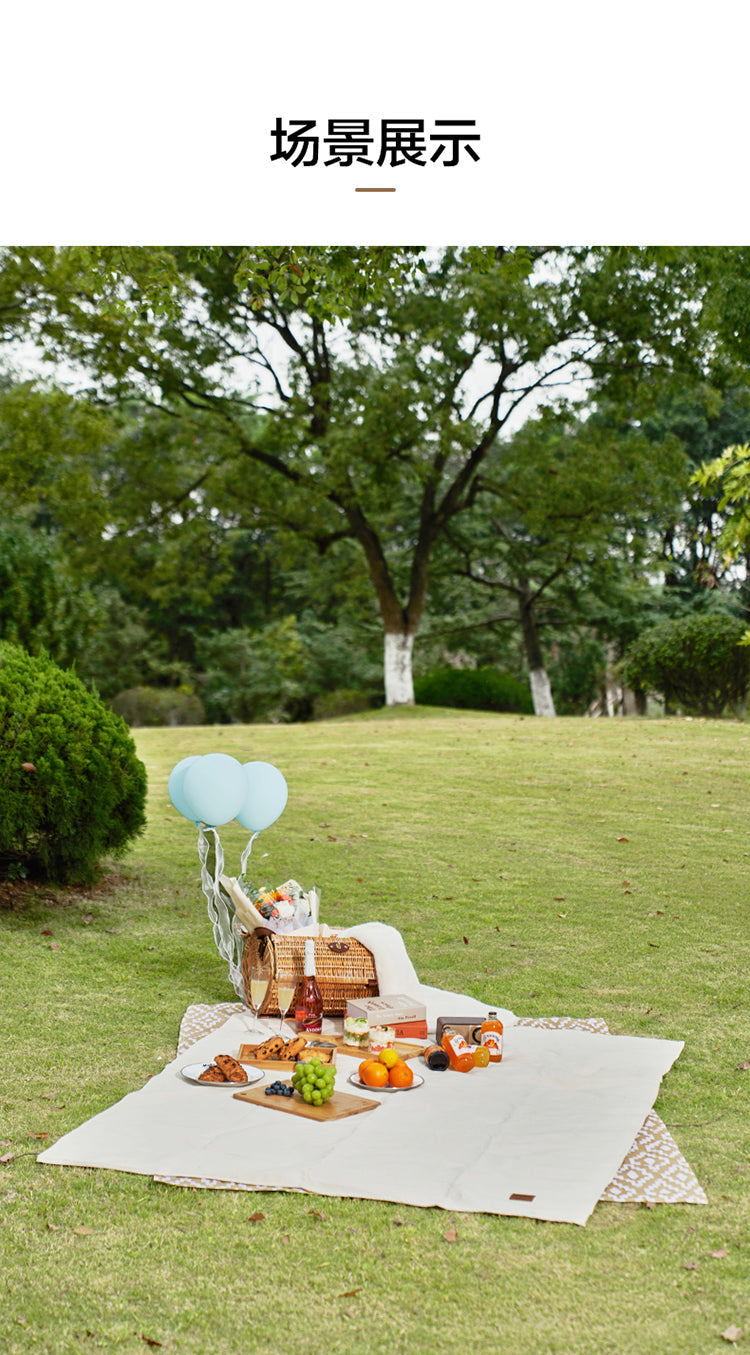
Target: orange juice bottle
491,1035
481,1055
457,1050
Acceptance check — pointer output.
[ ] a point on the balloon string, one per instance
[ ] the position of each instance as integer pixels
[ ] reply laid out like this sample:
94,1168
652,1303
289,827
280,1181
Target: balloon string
246,853
218,861
227,944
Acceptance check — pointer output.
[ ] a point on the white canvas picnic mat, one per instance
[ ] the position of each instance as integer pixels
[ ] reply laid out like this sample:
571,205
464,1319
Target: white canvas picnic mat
554,1122
652,1172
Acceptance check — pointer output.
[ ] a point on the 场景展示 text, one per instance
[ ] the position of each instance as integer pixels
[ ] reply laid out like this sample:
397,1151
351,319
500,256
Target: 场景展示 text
389,142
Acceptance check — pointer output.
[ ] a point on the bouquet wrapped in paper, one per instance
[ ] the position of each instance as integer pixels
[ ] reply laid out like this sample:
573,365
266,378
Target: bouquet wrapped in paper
287,908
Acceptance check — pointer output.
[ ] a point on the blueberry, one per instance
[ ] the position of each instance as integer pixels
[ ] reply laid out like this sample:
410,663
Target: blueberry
269,1091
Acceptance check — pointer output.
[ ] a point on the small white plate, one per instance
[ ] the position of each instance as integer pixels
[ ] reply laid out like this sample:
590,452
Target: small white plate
356,1081
192,1071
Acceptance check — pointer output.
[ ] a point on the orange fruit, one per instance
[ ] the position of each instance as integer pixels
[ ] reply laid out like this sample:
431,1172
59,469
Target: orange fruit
364,1064
374,1074
400,1075
388,1057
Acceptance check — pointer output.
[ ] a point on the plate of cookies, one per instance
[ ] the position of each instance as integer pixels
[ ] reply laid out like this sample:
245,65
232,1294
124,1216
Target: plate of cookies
225,1071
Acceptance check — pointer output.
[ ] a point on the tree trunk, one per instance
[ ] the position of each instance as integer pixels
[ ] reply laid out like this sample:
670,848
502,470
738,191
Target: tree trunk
614,703
401,623
399,685
541,692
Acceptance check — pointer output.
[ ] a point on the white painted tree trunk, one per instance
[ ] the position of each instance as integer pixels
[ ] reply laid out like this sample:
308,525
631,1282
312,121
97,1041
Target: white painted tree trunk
399,684
541,692
613,693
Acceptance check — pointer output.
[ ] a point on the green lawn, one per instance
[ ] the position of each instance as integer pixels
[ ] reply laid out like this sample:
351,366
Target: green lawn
596,868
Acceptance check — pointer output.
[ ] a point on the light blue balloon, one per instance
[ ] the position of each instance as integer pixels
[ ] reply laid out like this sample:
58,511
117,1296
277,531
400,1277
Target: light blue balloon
214,788
266,795
175,786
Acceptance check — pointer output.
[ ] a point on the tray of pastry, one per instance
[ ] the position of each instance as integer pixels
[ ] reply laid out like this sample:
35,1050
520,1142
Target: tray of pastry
275,1052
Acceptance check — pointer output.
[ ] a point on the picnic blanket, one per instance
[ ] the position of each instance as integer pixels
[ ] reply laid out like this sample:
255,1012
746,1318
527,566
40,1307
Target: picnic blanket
652,1172
546,1134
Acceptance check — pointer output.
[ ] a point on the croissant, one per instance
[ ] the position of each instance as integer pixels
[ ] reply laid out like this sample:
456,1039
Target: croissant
232,1070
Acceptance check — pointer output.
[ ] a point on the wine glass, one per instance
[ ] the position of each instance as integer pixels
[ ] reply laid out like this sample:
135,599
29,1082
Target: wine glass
260,976
286,987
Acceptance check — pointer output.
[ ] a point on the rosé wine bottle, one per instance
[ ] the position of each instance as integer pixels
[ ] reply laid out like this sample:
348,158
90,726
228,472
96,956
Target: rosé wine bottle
308,1013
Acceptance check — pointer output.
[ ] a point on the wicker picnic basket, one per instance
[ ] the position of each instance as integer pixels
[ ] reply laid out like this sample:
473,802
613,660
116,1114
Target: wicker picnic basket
344,967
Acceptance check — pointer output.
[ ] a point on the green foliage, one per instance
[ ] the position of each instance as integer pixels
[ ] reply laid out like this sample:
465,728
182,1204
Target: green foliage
280,671
694,553
151,706
123,650
42,605
342,701
473,689
576,671
248,676
561,524
82,793
724,271
365,435
55,452
696,661
331,280
46,605
270,416
347,654
728,476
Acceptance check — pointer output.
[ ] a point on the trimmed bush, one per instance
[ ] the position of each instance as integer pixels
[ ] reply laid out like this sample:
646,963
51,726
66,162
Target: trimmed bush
696,662
71,786
152,706
473,689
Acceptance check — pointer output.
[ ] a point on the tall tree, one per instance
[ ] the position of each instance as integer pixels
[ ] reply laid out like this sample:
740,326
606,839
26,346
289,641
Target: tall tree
379,429
707,420
561,507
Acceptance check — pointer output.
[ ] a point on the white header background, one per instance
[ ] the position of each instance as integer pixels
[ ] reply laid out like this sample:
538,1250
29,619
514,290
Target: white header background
150,122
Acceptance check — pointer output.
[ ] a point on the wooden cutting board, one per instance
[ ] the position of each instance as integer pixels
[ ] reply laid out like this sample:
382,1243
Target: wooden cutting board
404,1049
273,1065
277,1065
339,1107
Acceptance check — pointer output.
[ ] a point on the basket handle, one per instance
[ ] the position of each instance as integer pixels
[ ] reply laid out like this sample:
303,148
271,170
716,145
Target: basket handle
265,943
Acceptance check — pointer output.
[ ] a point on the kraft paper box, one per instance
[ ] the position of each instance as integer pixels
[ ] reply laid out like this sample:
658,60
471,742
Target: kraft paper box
390,1009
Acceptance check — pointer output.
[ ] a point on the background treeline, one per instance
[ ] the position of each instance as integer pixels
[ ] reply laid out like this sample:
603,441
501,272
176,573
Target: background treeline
199,545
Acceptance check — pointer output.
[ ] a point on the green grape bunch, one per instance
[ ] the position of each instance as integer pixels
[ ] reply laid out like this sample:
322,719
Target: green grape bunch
314,1081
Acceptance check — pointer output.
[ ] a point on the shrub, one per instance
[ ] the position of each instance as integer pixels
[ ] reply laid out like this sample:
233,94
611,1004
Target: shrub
342,701
71,785
695,661
473,689
152,706
250,676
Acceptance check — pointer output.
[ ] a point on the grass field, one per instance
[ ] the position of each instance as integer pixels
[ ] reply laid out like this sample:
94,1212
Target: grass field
596,868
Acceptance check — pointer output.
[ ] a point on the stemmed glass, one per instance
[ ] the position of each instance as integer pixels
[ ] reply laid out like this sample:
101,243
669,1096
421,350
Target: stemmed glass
260,976
286,987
